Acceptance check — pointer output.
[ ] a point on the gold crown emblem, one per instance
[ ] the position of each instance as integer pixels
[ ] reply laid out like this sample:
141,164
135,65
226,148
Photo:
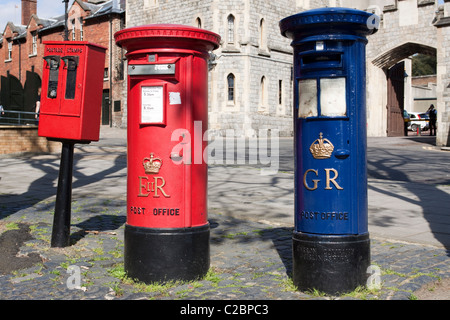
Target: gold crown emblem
321,148
152,165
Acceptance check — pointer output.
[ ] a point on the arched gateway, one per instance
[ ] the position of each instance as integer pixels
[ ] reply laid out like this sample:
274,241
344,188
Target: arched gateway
406,28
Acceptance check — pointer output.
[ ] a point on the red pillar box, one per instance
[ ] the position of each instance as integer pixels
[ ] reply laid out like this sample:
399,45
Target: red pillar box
167,231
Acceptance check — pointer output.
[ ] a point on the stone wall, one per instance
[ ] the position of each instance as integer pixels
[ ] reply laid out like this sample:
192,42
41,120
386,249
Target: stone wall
261,61
259,58
443,79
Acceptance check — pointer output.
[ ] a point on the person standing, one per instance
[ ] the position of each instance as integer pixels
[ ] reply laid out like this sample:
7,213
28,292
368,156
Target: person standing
433,115
38,105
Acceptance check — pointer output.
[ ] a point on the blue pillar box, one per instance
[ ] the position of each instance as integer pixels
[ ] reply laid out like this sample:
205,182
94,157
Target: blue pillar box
331,245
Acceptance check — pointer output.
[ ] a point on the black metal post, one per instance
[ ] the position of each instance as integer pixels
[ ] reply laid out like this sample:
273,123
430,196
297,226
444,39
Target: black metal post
61,219
66,17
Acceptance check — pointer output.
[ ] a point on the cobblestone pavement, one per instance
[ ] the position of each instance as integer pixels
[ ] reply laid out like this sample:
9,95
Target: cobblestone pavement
250,239
249,260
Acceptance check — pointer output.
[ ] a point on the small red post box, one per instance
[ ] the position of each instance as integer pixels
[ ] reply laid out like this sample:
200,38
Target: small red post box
167,231
71,92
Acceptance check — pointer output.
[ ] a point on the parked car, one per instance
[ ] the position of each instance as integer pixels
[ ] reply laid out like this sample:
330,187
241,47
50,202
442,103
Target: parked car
418,119
406,118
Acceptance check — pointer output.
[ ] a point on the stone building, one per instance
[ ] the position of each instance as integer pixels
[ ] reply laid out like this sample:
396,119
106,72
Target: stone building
406,27
251,78
251,72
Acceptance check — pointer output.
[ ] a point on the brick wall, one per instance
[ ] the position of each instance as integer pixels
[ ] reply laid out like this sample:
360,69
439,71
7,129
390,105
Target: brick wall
98,30
20,139
423,80
29,7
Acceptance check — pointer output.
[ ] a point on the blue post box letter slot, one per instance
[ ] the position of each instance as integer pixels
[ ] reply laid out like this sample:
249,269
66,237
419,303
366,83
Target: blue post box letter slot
331,245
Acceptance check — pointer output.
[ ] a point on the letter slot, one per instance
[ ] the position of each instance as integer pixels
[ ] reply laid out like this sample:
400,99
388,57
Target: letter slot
71,63
53,63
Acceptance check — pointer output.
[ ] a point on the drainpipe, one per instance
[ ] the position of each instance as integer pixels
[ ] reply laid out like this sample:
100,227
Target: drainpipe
115,8
66,17
110,69
20,61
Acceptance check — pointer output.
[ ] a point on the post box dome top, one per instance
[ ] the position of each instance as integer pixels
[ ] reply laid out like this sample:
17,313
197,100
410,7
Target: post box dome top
155,35
329,20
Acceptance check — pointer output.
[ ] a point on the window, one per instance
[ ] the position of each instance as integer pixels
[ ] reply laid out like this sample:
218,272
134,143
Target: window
9,57
263,95
230,33
280,91
73,30
81,30
105,74
34,44
120,67
117,107
262,34
230,82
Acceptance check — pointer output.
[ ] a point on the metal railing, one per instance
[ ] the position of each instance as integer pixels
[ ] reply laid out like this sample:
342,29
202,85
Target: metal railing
18,118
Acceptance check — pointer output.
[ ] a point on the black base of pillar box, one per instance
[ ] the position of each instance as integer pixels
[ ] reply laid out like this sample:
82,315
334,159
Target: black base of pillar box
330,264
162,255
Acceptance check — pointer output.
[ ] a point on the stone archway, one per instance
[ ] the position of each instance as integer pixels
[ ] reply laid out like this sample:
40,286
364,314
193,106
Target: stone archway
392,56
406,28
393,90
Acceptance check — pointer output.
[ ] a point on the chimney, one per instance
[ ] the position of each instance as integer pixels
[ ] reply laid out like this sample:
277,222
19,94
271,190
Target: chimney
29,7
